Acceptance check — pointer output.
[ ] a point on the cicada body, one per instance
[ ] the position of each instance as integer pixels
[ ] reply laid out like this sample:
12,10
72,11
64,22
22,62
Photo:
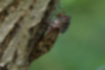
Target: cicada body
59,25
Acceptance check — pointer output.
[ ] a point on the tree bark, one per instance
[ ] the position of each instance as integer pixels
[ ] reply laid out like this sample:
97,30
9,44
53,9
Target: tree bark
23,23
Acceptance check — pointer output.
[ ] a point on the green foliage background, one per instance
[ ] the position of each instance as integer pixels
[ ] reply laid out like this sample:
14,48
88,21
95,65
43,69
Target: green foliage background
82,47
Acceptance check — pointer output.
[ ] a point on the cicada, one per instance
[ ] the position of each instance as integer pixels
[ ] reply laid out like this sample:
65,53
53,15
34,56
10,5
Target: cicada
59,25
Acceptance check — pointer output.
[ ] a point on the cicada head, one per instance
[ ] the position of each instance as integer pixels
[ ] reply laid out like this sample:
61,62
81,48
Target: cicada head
61,22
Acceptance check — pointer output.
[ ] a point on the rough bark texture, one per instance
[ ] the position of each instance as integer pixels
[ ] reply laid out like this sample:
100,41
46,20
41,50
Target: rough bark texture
23,24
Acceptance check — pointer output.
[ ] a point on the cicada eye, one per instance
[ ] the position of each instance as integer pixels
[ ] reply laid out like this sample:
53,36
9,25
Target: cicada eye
65,24
67,17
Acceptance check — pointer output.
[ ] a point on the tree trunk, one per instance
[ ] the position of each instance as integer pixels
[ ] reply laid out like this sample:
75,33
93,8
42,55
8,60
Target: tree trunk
23,23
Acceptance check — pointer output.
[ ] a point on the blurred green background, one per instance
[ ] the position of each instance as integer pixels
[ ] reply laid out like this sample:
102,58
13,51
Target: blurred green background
82,47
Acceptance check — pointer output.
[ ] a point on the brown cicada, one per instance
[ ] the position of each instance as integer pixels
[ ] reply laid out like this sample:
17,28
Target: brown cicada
59,25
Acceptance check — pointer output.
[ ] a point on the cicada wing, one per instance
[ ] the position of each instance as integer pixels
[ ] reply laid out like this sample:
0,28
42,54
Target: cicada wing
44,45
